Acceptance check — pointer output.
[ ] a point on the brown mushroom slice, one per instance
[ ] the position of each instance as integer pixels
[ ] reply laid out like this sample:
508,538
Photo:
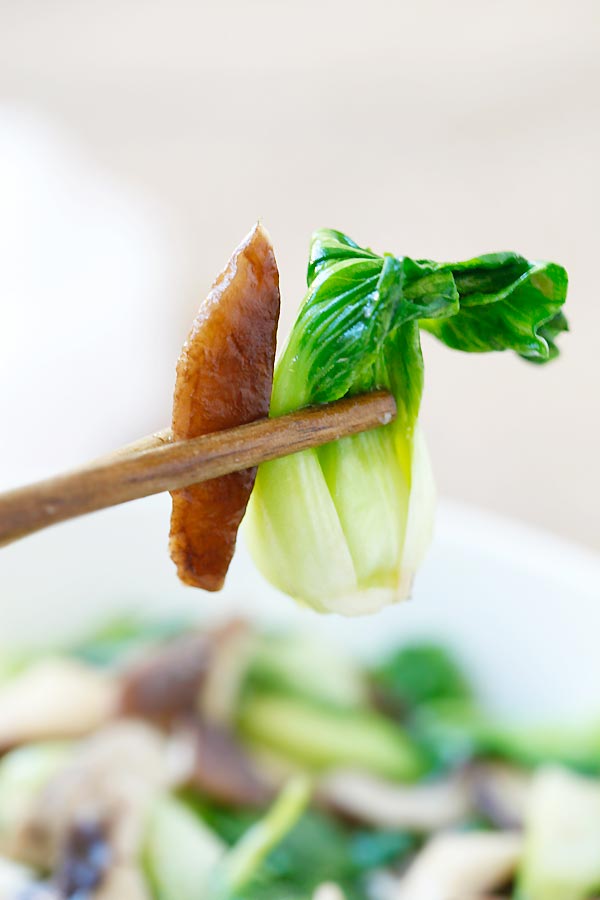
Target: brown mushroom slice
164,686
461,866
501,793
110,781
54,698
224,379
179,678
221,768
420,807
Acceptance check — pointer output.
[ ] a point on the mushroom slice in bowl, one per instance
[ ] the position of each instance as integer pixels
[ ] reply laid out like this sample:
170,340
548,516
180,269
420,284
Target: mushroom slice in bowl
106,786
501,793
220,767
124,882
419,807
460,866
198,672
54,698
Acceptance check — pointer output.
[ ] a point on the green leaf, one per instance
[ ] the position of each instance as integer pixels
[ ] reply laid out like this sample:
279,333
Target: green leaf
343,528
549,333
418,674
243,861
320,849
355,303
228,822
316,850
357,299
506,303
373,849
328,247
402,372
454,730
338,334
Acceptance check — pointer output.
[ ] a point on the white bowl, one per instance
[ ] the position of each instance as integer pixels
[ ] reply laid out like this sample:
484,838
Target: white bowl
521,607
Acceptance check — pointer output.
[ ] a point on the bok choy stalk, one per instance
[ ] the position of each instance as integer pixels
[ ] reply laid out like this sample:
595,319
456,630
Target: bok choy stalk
343,528
562,837
244,860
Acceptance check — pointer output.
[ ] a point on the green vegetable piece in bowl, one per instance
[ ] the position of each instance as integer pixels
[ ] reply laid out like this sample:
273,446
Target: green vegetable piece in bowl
186,860
455,731
24,772
309,667
321,737
181,852
562,845
418,674
244,860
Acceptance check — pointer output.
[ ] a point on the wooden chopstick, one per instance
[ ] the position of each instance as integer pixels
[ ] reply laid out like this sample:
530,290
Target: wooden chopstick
157,463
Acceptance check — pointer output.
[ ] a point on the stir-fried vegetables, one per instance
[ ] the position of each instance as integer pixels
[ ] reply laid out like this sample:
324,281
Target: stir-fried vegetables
343,528
386,781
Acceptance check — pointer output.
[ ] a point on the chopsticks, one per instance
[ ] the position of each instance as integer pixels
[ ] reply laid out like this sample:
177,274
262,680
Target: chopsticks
157,463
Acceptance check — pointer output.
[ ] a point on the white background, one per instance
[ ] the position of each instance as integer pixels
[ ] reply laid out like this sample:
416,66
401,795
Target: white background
433,129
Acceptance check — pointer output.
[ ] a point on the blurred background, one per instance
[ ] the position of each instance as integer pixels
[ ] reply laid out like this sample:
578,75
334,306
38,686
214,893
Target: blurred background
139,141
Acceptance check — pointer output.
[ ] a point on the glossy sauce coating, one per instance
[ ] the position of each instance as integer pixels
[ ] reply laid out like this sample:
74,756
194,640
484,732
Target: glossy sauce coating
224,378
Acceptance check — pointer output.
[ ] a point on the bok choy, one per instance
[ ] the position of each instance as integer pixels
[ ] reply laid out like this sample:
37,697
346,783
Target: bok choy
343,528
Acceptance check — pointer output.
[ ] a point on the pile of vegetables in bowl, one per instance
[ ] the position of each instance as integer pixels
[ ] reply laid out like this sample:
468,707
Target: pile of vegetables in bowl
164,761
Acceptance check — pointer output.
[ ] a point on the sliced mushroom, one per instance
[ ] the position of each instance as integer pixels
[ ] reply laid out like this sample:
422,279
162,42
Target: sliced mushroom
109,782
501,793
165,685
224,378
123,883
55,698
220,690
221,767
176,680
420,807
460,866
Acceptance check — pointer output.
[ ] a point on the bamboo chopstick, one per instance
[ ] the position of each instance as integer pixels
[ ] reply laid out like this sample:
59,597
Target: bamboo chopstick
157,463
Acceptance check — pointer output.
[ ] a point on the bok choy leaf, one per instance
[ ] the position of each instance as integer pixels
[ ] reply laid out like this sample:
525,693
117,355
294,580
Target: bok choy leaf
343,528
